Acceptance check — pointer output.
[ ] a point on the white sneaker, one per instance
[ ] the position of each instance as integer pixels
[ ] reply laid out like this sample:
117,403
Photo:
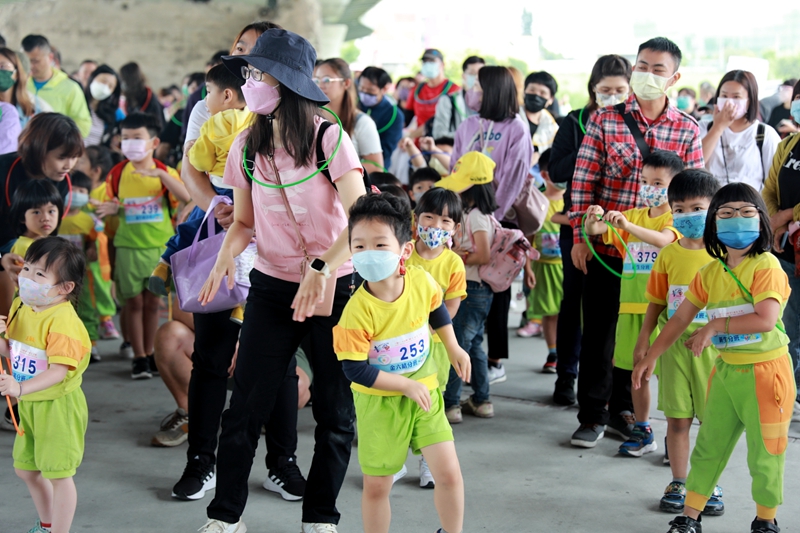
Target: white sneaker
319,528
400,475
425,476
95,355
126,351
497,374
218,526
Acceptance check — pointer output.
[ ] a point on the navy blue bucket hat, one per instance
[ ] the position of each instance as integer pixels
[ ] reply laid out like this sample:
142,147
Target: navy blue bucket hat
287,57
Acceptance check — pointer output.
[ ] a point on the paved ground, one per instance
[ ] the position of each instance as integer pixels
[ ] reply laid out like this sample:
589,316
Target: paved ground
521,473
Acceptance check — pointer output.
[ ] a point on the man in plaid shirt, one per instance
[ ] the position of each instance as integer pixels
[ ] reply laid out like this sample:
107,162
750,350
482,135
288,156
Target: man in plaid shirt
607,173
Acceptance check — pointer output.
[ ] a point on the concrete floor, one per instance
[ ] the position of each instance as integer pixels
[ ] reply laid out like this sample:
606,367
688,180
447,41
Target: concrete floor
521,473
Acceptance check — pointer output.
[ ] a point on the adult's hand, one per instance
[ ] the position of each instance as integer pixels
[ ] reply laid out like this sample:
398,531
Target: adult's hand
724,117
225,266
581,254
777,238
781,218
12,264
224,215
309,294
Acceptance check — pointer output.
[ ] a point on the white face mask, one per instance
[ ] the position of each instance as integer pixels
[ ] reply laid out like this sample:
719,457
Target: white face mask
606,100
648,86
739,104
99,90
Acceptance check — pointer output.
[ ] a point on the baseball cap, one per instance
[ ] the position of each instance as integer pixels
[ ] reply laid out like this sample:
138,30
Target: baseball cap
431,54
473,168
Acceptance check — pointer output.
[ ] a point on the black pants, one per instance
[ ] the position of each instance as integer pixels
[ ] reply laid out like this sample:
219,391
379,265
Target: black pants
267,344
214,343
568,336
497,325
600,313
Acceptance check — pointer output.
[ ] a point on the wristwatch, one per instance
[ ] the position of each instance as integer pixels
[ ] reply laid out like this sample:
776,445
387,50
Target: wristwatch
318,265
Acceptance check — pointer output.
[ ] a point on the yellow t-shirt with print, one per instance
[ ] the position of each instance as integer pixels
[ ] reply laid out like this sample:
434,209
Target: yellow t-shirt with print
448,271
78,229
53,336
715,289
210,151
145,212
394,336
21,246
632,298
546,239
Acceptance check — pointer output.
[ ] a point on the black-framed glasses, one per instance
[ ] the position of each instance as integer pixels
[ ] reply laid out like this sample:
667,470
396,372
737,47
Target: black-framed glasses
250,72
748,211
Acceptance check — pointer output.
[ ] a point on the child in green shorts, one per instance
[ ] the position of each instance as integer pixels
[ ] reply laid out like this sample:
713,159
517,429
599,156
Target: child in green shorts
684,378
384,342
145,194
751,390
49,348
644,233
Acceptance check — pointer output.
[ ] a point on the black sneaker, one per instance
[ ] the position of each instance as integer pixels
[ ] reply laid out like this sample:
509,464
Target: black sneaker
565,391
587,435
621,424
286,480
761,526
151,362
140,369
684,524
197,478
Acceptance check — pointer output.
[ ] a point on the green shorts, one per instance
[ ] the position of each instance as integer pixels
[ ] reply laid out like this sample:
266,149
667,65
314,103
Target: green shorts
545,298
133,269
628,328
54,432
439,354
683,383
387,425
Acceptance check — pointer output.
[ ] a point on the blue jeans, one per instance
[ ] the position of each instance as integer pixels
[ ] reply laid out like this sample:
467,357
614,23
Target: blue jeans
791,317
184,236
468,325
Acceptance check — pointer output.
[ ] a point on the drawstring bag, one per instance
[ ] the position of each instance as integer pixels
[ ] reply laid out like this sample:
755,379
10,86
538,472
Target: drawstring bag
192,266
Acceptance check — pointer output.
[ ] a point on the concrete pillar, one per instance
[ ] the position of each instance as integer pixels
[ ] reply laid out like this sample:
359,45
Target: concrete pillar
331,40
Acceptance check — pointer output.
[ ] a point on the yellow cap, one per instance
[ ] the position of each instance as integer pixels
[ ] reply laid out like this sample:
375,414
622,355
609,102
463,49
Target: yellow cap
473,168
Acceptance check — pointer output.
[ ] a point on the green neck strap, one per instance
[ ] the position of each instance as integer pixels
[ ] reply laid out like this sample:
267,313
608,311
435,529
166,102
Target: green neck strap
298,182
597,256
580,120
729,270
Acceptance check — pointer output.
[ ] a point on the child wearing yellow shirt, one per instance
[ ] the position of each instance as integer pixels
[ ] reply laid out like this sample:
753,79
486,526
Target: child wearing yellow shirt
644,232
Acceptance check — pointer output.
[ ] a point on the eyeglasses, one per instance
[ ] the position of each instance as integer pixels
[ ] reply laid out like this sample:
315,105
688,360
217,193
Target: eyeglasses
748,211
250,72
325,81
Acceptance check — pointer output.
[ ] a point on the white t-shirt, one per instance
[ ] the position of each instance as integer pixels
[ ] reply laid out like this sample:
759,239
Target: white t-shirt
365,136
475,222
199,116
736,157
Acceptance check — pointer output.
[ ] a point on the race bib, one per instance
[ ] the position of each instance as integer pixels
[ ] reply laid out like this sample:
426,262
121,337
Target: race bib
643,254
403,354
550,245
76,239
27,361
675,297
144,210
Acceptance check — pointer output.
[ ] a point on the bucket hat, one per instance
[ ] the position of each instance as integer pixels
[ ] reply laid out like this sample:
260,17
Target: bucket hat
287,57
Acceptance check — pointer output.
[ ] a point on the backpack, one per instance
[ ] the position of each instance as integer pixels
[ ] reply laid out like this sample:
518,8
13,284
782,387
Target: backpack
321,157
531,207
453,112
115,175
508,253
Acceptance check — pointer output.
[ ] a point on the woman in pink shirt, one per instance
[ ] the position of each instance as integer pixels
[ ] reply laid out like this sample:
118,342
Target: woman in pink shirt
299,216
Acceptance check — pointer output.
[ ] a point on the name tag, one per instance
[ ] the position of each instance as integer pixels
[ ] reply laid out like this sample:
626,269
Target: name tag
144,210
735,310
550,245
732,339
403,354
643,255
676,296
27,361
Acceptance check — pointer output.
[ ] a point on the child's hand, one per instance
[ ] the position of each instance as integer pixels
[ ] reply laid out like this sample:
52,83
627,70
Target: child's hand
593,212
110,208
461,363
426,144
642,372
9,386
616,219
419,393
530,277
408,146
640,350
152,173
700,340
3,324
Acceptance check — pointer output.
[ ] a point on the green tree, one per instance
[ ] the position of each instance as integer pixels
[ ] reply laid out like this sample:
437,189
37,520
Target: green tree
350,52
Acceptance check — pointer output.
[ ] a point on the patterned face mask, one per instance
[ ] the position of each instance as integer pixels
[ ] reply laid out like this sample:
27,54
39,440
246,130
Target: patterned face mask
653,196
691,225
433,237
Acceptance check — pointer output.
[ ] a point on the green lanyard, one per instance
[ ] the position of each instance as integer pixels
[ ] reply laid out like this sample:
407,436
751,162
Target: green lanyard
589,244
298,182
391,121
580,120
745,291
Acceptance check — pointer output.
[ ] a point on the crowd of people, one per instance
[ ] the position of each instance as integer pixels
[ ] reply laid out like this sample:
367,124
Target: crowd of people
372,230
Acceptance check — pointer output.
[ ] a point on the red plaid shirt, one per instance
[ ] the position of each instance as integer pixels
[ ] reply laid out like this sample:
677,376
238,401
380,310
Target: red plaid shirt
609,163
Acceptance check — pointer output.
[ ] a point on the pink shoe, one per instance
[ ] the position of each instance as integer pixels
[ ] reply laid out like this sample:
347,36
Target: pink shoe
531,329
108,330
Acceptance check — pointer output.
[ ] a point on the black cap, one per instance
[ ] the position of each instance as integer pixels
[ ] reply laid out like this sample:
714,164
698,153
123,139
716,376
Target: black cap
431,54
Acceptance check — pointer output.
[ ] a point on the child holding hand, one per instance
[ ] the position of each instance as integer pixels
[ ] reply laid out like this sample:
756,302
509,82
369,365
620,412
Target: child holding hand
384,341
49,348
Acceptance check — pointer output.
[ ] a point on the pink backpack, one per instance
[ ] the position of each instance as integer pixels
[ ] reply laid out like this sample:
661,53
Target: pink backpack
508,253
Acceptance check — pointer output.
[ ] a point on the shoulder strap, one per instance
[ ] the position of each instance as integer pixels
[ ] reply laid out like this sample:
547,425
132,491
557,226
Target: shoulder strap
761,131
453,111
633,127
321,157
112,180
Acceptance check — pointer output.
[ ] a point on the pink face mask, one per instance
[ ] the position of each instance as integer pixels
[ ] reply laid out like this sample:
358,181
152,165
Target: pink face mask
740,106
473,99
134,149
260,97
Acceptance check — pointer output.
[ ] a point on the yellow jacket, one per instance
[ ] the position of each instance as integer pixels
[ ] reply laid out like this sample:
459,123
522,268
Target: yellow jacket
772,192
65,96
210,151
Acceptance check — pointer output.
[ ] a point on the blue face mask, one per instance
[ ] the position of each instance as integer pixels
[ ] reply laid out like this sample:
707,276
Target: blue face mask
794,110
376,265
430,69
691,225
79,199
369,100
738,232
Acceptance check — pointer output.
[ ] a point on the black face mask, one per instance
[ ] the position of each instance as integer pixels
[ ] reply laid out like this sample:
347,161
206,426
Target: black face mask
534,103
